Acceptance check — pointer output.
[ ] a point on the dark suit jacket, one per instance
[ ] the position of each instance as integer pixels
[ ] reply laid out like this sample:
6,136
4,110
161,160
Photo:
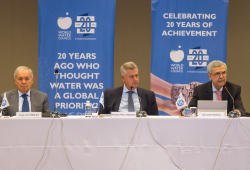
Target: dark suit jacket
205,92
39,102
112,100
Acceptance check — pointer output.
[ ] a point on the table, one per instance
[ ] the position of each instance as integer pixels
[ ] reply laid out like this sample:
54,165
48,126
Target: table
101,143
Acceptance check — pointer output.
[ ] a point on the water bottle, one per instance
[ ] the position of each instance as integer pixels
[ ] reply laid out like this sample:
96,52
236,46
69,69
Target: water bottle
186,112
88,111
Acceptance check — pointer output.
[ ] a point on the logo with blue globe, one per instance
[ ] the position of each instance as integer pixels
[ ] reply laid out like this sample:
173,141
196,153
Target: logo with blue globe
180,102
4,103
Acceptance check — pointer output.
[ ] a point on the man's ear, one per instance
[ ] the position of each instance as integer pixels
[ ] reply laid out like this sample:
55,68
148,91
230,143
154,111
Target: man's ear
210,76
122,77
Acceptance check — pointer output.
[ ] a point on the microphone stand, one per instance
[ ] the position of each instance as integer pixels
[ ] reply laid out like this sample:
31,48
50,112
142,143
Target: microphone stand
140,113
56,114
232,114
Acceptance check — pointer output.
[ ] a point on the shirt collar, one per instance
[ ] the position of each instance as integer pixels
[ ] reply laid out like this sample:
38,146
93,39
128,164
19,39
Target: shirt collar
214,89
125,90
20,93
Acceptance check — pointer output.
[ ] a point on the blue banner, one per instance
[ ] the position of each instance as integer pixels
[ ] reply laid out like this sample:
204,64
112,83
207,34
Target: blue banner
186,36
77,39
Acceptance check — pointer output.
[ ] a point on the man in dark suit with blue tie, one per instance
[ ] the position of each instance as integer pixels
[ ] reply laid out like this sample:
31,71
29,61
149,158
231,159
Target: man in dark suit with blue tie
24,98
125,98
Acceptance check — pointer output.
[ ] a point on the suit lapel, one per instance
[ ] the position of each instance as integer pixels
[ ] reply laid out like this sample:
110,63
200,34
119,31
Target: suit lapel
209,91
118,97
14,100
143,100
225,94
32,99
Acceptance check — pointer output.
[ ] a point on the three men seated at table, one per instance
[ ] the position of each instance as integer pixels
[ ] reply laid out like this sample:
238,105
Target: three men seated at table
215,89
127,97
24,98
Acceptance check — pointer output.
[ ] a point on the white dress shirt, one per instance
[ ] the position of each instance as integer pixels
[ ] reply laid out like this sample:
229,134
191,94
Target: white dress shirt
124,100
20,100
214,92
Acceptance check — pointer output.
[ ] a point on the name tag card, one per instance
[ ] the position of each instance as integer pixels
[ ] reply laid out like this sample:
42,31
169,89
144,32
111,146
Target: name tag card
211,114
28,114
123,114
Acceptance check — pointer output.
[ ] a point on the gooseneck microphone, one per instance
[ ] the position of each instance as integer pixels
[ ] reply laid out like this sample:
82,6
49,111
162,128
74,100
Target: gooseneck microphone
55,113
232,114
56,72
132,88
139,113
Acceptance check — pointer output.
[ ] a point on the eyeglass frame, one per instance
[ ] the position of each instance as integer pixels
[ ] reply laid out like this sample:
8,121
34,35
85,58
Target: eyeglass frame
216,75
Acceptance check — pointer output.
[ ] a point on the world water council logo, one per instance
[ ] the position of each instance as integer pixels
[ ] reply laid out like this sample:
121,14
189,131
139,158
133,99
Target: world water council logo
197,58
64,23
177,56
85,25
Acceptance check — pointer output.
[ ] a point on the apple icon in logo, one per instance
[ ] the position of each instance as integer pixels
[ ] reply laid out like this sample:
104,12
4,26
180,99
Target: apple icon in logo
176,56
64,22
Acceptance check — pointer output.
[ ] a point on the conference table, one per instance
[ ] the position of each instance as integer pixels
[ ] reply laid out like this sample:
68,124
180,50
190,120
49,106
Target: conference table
102,143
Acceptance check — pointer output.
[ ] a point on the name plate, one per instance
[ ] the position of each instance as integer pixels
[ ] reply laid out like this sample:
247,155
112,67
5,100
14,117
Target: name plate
123,114
28,114
211,114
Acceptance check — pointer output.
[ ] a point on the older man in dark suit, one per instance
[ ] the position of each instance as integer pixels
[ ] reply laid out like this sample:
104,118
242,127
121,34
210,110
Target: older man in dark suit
25,99
215,89
125,98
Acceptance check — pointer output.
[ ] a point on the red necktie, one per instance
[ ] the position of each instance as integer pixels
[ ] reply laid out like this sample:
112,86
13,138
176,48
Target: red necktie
218,95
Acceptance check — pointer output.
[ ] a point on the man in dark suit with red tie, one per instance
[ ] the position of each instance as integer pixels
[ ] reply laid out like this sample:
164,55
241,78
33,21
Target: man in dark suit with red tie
215,89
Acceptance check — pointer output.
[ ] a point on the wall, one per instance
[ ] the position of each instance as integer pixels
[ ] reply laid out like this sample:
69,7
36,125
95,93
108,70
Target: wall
19,41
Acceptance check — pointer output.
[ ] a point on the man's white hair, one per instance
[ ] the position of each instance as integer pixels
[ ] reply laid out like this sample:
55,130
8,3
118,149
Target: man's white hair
128,65
215,63
23,68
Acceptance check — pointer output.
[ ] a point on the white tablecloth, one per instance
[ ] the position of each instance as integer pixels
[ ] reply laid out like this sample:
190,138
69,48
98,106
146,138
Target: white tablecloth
101,144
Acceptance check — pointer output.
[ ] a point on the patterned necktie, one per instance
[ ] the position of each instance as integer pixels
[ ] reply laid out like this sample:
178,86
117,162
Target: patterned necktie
218,95
25,107
130,102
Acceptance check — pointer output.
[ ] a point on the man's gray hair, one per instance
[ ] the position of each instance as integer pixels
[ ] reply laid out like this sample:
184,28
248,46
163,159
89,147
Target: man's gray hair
128,65
23,68
215,63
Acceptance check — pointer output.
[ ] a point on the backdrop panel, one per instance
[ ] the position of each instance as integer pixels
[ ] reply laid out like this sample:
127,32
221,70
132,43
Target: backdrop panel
77,39
186,36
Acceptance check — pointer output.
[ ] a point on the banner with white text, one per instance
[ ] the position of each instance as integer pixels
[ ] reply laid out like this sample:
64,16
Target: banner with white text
186,36
77,39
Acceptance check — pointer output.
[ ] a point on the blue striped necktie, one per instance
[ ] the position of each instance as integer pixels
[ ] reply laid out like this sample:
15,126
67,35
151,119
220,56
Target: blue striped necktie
131,107
25,107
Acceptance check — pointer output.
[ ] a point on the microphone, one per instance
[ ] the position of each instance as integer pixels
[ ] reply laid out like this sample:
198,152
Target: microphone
232,114
139,113
56,72
55,113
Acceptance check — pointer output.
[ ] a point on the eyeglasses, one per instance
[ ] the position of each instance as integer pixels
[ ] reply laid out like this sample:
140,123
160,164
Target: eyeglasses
134,76
216,75
21,79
